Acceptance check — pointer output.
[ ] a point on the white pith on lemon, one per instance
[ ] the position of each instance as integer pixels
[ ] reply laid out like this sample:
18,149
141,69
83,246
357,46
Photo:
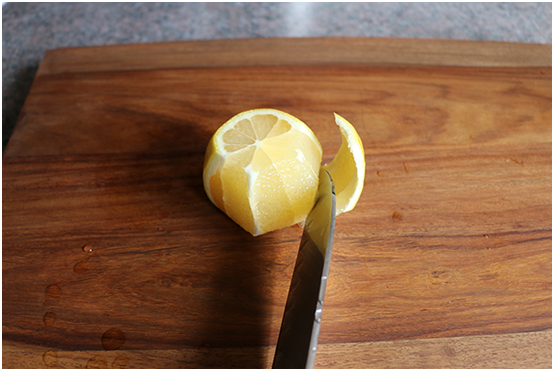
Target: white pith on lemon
262,169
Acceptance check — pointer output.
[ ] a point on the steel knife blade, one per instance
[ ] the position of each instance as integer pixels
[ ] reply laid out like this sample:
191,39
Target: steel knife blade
297,343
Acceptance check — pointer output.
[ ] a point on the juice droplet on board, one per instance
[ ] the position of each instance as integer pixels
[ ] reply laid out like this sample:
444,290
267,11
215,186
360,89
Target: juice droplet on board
49,318
120,362
87,248
54,291
81,267
204,348
50,358
113,339
397,215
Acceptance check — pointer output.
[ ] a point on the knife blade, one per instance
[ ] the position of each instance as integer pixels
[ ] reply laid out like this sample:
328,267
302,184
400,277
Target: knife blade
297,343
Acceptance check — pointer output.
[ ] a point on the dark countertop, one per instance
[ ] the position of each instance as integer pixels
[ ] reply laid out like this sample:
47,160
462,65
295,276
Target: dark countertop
29,29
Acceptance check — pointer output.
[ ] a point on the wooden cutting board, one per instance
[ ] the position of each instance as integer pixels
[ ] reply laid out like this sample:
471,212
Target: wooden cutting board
113,256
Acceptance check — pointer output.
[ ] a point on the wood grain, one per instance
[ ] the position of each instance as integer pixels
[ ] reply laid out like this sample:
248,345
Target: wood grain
300,51
112,253
518,350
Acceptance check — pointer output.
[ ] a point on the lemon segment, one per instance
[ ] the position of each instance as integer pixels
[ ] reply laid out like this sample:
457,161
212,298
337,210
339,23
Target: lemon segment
348,167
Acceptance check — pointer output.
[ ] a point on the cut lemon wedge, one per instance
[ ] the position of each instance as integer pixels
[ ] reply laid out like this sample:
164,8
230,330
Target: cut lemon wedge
261,168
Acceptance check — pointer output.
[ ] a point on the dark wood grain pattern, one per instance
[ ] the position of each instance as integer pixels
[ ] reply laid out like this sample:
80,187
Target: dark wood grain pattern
301,51
114,257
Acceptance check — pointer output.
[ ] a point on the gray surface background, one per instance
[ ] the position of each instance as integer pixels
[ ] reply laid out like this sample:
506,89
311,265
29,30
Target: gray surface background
29,29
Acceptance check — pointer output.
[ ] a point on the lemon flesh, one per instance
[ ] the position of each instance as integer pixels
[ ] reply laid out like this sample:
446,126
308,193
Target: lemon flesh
262,169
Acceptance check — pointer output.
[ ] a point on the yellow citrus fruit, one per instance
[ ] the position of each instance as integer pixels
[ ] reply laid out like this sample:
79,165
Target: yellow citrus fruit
262,169
348,167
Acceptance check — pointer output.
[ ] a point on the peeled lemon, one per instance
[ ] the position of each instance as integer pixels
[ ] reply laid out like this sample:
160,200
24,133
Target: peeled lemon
261,168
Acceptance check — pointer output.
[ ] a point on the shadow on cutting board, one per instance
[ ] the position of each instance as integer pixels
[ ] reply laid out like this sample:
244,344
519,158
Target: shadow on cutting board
218,275
237,311
167,270
13,98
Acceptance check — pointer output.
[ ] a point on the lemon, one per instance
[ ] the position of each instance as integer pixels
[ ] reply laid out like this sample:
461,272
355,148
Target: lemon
348,167
261,168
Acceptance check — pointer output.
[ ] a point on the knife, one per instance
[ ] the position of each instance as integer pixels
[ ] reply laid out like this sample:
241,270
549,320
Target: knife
297,343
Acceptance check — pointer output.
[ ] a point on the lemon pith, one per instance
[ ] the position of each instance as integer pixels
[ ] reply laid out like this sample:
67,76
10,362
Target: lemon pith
262,166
